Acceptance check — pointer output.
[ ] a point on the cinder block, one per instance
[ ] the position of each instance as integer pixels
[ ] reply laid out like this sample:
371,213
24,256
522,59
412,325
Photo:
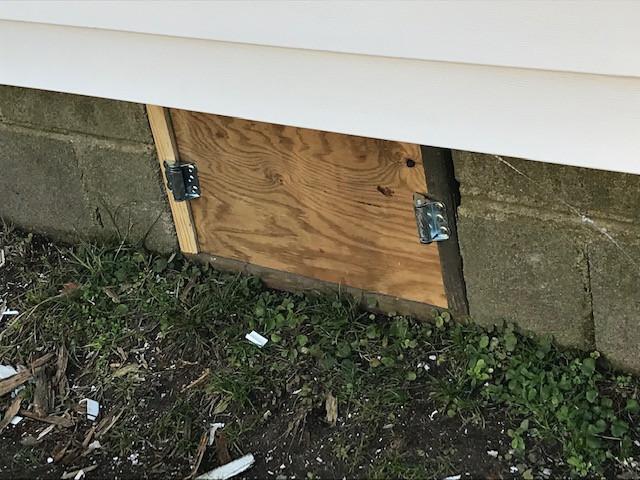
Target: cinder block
149,223
615,284
78,188
548,186
41,184
526,270
63,112
119,172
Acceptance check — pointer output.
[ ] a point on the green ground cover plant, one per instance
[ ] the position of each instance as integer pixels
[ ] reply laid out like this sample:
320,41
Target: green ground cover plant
162,339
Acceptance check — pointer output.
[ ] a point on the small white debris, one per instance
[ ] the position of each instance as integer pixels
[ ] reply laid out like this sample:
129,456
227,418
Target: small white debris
212,431
453,477
49,459
492,453
257,339
5,311
433,414
2,258
433,358
7,371
636,443
546,472
94,445
296,392
93,408
513,469
319,460
229,470
17,419
133,458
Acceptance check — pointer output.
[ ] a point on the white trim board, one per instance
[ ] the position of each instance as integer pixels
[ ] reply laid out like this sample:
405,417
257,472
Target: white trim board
588,36
568,118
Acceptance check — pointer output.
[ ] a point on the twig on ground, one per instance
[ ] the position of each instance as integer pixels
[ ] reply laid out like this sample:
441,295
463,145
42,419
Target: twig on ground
10,384
11,412
202,446
52,419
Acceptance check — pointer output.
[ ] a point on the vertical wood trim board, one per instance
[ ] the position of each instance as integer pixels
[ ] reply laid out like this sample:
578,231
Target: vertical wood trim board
327,206
443,186
167,151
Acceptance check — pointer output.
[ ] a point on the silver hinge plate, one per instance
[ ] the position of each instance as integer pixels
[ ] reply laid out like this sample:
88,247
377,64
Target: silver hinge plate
182,180
431,219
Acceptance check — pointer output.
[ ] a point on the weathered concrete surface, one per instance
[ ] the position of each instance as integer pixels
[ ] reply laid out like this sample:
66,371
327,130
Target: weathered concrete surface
39,183
64,113
81,168
555,249
609,195
526,270
615,283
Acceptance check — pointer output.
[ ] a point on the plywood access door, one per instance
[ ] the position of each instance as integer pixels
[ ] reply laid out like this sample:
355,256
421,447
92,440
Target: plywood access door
325,206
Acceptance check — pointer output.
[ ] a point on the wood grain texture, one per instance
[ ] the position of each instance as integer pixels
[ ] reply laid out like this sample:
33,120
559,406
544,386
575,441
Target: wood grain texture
332,207
166,148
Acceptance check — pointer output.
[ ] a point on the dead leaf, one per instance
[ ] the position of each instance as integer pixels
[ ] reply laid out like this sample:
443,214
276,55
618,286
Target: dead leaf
126,370
222,449
68,289
69,475
59,450
111,294
187,289
88,437
121,353
45,432
222,406
107,422
11,412
331,406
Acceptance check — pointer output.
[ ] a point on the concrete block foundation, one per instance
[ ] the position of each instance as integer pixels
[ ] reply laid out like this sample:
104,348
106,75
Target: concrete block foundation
555,249
77,167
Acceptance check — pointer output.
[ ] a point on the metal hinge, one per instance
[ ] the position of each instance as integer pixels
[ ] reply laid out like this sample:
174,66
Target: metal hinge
182,180
431,219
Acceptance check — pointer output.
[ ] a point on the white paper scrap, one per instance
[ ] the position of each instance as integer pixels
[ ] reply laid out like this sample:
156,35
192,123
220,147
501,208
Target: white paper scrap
93,408
229,470
7,371
257,339
212,431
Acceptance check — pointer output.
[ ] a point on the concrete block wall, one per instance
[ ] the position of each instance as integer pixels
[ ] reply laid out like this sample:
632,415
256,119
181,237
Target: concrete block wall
78,167
553,248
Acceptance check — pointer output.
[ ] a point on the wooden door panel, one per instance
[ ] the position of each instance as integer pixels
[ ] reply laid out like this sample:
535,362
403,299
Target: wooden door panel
323,205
